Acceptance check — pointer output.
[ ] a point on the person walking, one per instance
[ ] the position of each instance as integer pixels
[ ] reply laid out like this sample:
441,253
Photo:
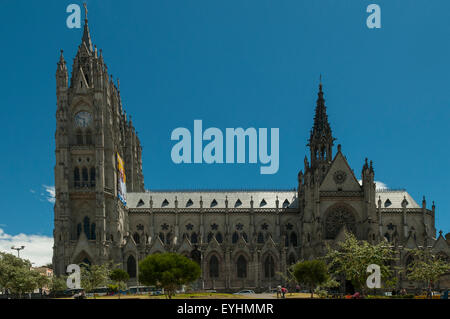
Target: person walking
283,292
278,291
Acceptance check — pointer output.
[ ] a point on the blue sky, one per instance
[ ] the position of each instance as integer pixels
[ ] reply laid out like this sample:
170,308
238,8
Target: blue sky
236,63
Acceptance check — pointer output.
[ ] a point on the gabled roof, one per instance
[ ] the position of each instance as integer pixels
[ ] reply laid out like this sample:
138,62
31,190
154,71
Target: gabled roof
340,164
395,198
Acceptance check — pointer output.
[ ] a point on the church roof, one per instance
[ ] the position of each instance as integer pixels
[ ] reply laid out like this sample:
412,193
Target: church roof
214,199
242,199
394,199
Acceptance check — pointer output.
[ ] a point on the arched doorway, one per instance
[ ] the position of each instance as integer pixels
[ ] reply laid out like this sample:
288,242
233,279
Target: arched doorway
213,267
131,266
241,267
269,267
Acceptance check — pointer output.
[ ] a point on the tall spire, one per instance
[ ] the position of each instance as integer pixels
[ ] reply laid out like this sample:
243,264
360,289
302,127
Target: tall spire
86,35
321,139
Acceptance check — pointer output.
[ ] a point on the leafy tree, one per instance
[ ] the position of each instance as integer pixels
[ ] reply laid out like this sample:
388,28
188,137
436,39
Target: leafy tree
168,270
426,267
58,283
119,276
94,276
17,277
353,256
311,273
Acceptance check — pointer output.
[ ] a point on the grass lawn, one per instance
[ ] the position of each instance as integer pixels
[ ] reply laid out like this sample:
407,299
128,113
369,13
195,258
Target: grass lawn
180,296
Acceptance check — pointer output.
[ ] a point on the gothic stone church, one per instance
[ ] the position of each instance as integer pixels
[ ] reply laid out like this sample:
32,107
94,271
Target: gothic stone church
241,239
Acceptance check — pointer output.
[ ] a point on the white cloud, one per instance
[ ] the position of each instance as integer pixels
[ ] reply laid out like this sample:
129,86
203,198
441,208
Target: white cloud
50,196
378,184
38,249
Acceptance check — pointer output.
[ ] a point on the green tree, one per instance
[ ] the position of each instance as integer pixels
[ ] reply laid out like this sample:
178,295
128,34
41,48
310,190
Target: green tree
426,267
312,273
169,271
94,276
120,277
352,257
58,283
17,277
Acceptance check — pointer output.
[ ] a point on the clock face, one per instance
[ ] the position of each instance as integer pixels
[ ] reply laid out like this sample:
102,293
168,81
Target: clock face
83,119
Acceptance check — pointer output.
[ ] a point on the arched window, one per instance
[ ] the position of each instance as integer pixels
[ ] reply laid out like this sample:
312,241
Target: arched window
92,176
194,238
336,218
86,227
219,238
210,237
213,267
161,236
93,235
293,239
84,176
269,267
131,266
88,137
79,137
136,238
260,239
76,177
244,235
168,238
286,240
387,237
241,267
78,230
235,238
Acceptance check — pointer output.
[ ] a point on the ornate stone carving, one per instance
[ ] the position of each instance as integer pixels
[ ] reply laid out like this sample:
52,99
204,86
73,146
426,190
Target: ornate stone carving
339,177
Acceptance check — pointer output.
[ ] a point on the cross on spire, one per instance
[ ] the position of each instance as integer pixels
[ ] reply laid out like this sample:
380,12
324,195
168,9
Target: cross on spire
85,10
86,35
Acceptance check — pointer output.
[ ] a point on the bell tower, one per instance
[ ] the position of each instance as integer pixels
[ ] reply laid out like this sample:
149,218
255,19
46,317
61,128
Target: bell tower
91,129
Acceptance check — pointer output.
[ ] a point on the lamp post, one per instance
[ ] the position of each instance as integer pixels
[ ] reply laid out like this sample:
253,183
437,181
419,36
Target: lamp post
18,250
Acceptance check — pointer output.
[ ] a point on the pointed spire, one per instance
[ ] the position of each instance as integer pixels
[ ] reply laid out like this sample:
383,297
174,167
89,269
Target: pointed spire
61,63
321,139
86,36
61,58
321,126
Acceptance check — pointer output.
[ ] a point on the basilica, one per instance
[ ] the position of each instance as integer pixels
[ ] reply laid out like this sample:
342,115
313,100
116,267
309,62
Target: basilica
240,238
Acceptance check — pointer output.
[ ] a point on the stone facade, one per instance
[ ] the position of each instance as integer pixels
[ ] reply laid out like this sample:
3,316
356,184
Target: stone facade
242,239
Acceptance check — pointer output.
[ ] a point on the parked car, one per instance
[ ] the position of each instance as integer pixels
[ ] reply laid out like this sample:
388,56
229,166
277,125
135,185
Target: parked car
157,292
244,292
